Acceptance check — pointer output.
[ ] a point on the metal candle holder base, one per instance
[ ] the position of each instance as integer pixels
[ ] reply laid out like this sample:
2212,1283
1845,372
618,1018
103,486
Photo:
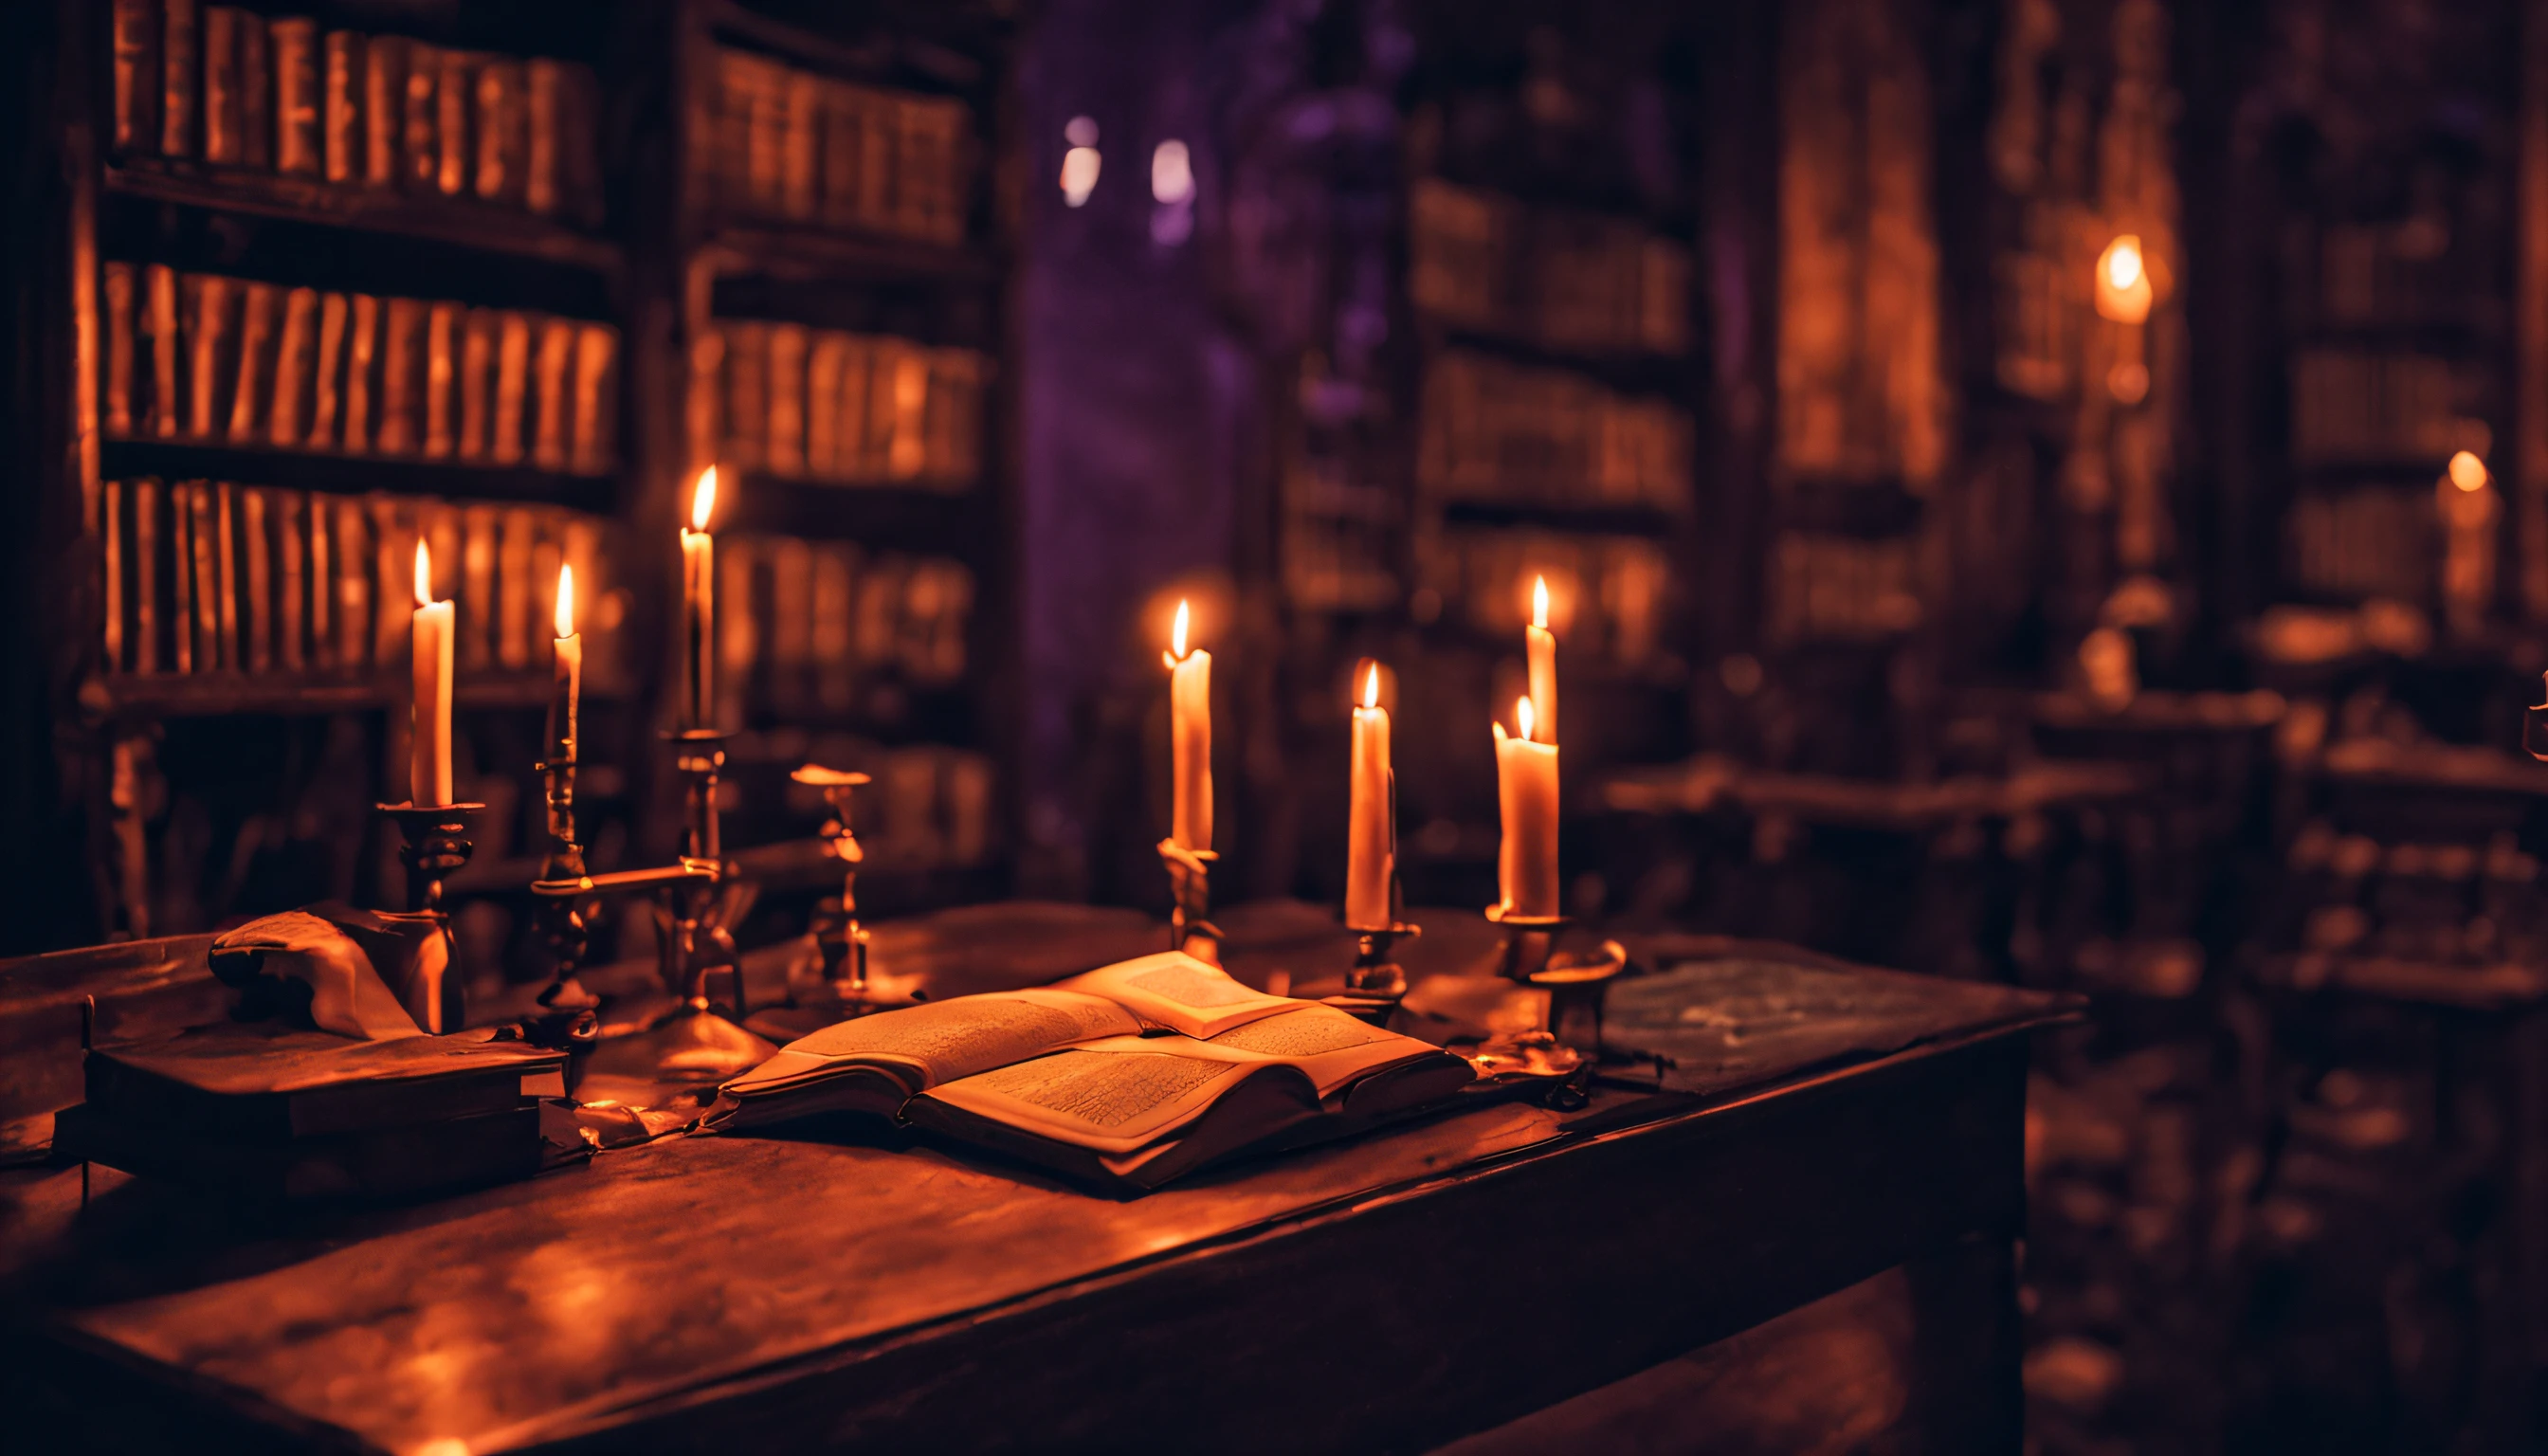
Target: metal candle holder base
1569,1042
838,936
1190,887
1377,982
435,846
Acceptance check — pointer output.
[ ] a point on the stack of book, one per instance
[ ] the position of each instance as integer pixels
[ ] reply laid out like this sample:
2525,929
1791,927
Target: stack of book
1606,593
2364,543
785,144
1846,588
209,359
261,1113
211,576
2357,406
225,85
1564,280
810,627
1504,432
844,408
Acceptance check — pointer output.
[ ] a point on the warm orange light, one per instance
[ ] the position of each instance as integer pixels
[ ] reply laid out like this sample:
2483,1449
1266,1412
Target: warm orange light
2125,289
565,602
1177,634
703,499
1521,718
423,574
2122,262
2468,472
1371,688
1538,604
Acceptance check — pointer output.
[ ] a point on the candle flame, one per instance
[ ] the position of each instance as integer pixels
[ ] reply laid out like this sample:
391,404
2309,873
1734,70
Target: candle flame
1539,603
703,499
1371,688
2123,262
423,574
565,602
1177,634
1522,719
2468,472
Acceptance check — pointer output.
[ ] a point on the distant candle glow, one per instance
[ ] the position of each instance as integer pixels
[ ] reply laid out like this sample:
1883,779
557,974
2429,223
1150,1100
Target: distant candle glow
1080,164
1172,172
1177,634
2468,472
703,499
2125,289
565,602
2123,262
1371,688
423,574
1538,604
1522,719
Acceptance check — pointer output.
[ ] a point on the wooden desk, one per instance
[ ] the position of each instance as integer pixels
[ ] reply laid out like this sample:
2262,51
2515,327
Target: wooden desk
1394,1293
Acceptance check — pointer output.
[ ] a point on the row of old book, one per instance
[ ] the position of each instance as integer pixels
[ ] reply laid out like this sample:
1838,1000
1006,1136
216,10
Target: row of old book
1336,546
2372,407
2364,543
1827,588
1498,431
205,358
213,576
2393,274
1569,280
805,628
230,87
1605,593
849,408
788,146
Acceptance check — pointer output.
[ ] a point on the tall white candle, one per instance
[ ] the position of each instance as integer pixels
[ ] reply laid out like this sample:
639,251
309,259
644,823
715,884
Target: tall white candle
1543,665
698,607
1371,832
430,712
1190,738
567,685
1526,787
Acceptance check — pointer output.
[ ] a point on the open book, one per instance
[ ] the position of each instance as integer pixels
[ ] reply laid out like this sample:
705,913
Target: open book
1133,1073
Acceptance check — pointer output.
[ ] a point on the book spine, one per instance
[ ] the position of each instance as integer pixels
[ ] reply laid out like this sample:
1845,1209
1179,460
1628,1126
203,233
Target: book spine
841,114
516,588
726,165
347,143
419,113
353,586
326,371
180,77
544,95
877,117
137,75
746,393
111,570
597,377
119,344
257,80
766,157
857,363
552,370
384,108
257,581
802,128
362,372
703,432
181,579
832,634
146,576
452,94
910,449
501,133
442,346
291,545
476,378
393,568
823,363
402,377
258,306
287,425
212,311
580,145
160,318
220,27
477,586
738,629
226,573
512,387
319,512
787,421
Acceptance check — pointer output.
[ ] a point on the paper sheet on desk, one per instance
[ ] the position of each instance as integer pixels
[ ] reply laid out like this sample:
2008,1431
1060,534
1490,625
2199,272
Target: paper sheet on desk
347,995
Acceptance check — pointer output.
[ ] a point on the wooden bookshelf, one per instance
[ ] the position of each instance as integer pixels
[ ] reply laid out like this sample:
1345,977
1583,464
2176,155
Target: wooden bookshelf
308,470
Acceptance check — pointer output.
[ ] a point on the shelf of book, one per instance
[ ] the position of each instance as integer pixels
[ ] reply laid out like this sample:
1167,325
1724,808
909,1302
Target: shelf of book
948,523
1634,371
130,696
352,474
456,223
816,255
1560,515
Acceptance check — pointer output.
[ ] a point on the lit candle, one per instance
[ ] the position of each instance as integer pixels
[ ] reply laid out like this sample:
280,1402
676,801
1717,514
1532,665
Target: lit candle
1526,787
1190,738
1371,833
2470,510
429,762
698,606
569,673
1543,665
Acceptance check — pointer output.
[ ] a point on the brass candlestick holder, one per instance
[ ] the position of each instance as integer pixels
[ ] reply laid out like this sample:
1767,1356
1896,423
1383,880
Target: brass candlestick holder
1190,885
1569,1042
434,846
569,1017
836,933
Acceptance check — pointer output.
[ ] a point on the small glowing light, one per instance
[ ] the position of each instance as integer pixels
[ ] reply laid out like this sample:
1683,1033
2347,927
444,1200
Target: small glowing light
2468,472
703,499
1177,634
1172,172
423,574
1371,688
2123,262
1522,717
1539,602
1078,174
2125,289
565,602
1080,131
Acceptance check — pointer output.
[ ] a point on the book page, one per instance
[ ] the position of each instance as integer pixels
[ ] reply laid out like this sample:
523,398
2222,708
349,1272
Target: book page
1332,1047
1114,1096
1173,989
924,1045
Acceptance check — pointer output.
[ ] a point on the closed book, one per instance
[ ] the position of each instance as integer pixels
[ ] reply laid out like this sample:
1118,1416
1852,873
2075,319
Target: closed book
291,512
122,342
513,387
784,438
259,303
799,175
319,518
843,119
327,373
159,323
878,116
147,561
207,585
477,593
181,575
580,145
596,392
137,75
403,378
263,1083
384,109
929,168
850,408
393,536
295,355
766,144
258,82
746,393
545,97
180,77
725,161
518,607
884,366
208,356
226,574
349,546
552,374
910,450
454,95
362,375
441,350
221,83
344,142
111,553
823,364
477,385
255,583
503,133
420,120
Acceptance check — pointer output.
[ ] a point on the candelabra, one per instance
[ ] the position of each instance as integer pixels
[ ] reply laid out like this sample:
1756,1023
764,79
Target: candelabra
838,936
434,846
1190,889
1569,1042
